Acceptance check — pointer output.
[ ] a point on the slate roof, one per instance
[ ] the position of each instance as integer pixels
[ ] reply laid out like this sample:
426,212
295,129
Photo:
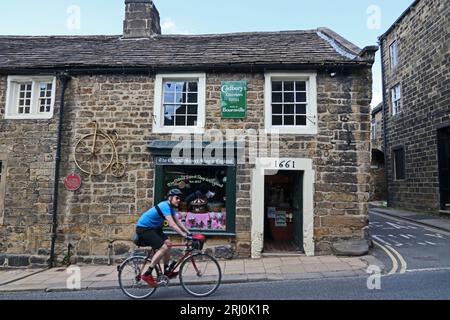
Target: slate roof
311,47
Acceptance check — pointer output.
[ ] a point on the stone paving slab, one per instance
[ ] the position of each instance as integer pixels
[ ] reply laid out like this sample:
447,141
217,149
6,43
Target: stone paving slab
235,271
7,276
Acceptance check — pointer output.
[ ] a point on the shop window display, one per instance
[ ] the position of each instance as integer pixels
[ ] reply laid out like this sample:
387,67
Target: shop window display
204,189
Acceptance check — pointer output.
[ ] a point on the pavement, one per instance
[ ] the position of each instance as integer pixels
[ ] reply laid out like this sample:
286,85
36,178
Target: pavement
440,222
234,271
298,267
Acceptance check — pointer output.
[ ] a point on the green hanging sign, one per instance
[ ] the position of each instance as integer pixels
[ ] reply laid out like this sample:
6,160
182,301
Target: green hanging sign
234,99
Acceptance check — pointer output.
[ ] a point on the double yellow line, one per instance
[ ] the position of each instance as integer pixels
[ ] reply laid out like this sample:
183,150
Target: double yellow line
393,255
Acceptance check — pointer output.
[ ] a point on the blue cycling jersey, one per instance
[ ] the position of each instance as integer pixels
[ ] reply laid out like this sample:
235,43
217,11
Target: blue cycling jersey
151,218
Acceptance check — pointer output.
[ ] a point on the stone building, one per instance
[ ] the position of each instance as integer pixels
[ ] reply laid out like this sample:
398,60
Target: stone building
309,90
416,64
378,182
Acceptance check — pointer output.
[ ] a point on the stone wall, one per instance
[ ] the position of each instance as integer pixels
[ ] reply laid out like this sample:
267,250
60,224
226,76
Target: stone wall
424,62
30,148
99,219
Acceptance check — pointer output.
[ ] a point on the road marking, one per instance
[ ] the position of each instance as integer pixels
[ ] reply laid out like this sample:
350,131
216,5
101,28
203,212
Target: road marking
432,243
397,244
410,223
394,261
435,235
421,243
396,226
405,236
428,269
410,235
403,263
381,240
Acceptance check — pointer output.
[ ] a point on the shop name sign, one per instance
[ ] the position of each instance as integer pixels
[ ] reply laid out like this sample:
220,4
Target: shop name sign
194,162
234,99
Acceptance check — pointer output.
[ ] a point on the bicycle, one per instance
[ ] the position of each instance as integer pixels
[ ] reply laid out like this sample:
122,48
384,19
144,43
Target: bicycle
199,273
95,153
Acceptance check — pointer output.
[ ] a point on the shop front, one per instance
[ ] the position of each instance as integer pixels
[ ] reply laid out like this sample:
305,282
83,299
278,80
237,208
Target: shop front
208,186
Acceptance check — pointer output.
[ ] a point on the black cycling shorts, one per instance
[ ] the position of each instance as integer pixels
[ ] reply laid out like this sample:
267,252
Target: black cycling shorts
151,237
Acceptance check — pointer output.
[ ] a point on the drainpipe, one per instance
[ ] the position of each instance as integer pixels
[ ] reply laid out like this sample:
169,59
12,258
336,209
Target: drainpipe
64,78
383,80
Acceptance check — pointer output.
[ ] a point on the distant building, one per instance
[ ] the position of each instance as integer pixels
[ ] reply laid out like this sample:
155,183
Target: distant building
378,178
416,94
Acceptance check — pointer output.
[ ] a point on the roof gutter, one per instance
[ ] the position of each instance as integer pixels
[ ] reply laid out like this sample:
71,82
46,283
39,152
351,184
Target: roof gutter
64,78
227,67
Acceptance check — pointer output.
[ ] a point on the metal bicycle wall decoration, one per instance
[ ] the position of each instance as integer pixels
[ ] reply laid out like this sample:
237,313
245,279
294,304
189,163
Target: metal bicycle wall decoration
95,153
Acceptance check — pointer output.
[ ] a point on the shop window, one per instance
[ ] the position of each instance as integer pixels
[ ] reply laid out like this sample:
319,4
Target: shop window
30,97
209,195
291,103
179,103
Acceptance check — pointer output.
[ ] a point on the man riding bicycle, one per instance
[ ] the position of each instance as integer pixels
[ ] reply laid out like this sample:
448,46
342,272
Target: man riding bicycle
149,229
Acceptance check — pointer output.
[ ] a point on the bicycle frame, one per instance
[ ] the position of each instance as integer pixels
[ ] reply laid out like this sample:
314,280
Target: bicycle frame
187,254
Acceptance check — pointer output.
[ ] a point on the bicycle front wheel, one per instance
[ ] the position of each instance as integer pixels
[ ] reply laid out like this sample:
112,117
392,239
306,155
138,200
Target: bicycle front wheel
130,281
200,275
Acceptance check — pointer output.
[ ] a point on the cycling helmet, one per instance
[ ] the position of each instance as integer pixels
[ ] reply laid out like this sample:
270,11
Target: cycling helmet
175,192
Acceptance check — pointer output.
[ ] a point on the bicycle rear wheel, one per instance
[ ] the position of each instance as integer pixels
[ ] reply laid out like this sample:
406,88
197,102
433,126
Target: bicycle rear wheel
200,275
130,278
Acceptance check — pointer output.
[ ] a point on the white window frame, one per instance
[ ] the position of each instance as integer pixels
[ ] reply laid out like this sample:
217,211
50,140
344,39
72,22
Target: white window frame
311,110
393,54
158,109
396,101
12,92
3,163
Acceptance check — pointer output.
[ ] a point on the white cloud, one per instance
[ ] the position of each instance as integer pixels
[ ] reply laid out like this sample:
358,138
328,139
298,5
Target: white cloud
170,27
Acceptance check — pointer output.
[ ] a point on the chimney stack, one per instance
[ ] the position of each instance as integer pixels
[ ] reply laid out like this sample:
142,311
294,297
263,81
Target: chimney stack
141,19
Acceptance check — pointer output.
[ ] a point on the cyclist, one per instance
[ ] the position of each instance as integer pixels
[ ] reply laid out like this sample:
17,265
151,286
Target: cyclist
149,229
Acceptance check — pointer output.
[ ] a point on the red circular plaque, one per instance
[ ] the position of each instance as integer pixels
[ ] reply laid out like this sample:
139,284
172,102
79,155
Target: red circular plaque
72,182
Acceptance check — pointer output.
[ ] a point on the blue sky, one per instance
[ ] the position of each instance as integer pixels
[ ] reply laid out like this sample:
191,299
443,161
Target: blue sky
350,18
